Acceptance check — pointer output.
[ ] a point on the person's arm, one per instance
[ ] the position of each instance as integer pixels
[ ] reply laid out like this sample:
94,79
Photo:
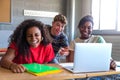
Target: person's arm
101,40
7,62
70,57
112,62
64,50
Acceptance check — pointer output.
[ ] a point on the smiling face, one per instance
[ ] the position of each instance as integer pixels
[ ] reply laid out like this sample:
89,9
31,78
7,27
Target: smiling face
33,36
86,30
57,28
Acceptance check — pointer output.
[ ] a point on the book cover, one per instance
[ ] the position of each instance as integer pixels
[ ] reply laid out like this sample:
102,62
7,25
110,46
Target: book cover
41,69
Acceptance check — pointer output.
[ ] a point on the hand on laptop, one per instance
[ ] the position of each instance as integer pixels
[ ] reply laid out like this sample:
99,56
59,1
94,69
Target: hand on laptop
112,64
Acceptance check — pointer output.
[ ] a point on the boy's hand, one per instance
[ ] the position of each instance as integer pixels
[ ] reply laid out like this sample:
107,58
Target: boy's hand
64,51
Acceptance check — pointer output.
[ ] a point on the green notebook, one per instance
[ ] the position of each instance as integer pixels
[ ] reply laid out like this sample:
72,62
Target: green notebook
41,69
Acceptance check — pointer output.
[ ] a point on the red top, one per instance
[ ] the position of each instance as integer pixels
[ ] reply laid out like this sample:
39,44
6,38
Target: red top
40,54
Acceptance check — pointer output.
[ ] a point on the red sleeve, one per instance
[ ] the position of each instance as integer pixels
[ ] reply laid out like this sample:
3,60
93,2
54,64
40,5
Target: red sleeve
49,53
13,46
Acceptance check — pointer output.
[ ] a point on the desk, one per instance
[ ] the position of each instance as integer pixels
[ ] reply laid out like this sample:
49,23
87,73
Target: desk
6,74
111,72
2,53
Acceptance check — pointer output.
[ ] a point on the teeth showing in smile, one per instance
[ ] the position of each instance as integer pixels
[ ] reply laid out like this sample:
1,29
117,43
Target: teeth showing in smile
34,42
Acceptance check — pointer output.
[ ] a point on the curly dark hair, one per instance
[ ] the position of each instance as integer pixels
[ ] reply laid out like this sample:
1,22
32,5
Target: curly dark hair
85,19
19,35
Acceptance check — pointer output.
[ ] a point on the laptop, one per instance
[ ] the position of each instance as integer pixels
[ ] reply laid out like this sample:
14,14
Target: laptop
90,57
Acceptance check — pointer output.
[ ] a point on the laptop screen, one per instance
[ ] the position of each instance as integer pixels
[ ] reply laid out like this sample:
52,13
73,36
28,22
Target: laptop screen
92,57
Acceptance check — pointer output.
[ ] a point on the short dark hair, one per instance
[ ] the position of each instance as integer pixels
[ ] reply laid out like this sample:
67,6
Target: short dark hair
85,19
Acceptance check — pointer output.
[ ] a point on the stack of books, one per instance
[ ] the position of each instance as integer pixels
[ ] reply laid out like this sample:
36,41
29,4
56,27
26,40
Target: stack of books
41,69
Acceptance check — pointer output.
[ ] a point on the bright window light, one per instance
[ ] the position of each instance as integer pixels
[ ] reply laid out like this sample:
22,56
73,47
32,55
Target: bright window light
106,14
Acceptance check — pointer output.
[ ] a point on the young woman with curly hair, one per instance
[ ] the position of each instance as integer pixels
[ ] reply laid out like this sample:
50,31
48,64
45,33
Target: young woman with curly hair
27,44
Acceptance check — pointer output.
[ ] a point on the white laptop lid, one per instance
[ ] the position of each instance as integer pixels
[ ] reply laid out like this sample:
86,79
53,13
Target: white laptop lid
90,57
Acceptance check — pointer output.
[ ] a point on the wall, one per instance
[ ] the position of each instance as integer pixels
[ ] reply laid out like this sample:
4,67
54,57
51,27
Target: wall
4,39
17,16
83,7
18,6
